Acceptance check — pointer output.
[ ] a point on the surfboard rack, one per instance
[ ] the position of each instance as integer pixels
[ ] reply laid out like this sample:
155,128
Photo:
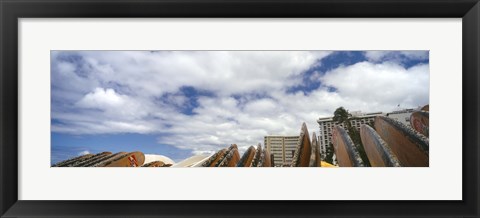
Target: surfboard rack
388,143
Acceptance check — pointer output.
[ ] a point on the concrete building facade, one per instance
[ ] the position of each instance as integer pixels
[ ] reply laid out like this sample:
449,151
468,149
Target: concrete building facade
402,116
326,127
282,148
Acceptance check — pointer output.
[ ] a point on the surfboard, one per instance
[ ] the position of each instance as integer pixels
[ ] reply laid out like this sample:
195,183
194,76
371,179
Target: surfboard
220,158
132,159
315,154
410,147
200,163
301,158
325,164
419,122
90,161
71,161
234,158
257,156
378,152
247,157
109,158
265,160
157,163
345,151
158,157
231,158
123,159
189,162
212,161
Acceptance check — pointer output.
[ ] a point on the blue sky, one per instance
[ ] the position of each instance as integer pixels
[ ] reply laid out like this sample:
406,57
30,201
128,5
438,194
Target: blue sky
182,103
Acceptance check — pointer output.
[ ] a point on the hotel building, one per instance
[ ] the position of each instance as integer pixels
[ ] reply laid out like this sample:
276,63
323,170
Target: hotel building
282,148
327,123
402,116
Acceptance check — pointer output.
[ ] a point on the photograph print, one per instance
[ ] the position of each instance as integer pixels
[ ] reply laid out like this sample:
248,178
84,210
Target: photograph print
239,108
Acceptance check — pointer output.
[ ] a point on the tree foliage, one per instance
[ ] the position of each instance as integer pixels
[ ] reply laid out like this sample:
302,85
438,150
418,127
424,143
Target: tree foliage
329,153
341,116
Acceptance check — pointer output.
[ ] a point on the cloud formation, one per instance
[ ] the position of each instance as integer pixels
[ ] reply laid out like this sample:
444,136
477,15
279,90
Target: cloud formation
83,153
379,86
206,100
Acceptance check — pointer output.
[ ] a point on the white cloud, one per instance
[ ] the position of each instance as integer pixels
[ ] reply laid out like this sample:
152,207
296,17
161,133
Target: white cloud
263,106
383,86
152,74
244,94
102,99
375,55
83,153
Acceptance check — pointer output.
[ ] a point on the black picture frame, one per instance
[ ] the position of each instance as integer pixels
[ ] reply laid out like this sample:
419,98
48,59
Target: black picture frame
12,10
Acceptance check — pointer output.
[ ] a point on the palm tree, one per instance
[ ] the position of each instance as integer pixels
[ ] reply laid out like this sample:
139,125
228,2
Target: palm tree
341,115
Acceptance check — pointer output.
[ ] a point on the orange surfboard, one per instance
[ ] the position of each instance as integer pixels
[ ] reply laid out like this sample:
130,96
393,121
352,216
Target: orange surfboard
212,161
123,159
378,152
410,147
345,151
231,158
419,121
257,156
247,157
301,158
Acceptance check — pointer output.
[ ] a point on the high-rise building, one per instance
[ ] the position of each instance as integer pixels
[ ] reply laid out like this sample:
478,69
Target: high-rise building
323,148
326,127
282,148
